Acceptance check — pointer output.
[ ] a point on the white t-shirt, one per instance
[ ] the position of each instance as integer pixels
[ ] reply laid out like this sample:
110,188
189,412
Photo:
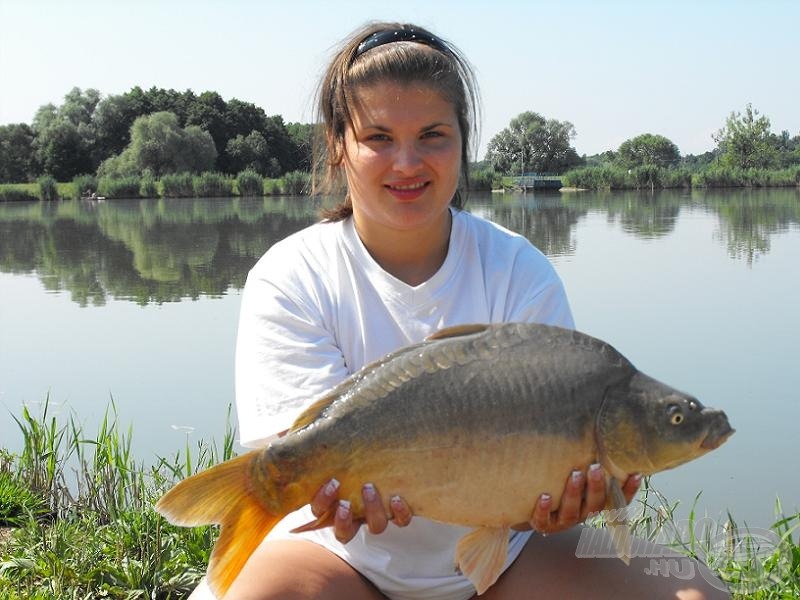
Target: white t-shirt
317,307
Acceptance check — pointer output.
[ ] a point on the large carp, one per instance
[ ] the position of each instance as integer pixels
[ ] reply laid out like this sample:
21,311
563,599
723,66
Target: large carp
469,427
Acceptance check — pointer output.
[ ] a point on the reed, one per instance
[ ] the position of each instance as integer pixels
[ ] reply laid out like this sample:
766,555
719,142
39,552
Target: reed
90,530
119,187
250,183
48,189
212,185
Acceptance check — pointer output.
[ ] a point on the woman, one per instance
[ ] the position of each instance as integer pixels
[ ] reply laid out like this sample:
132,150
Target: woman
394,262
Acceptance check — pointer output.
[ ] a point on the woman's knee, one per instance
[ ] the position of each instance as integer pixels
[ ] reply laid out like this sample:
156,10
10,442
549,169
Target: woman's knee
554,567
299,570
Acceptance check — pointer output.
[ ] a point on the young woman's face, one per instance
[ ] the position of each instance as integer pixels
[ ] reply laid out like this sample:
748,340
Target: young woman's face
402,158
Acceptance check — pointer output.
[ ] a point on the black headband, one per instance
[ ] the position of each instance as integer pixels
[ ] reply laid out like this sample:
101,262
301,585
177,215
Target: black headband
387,36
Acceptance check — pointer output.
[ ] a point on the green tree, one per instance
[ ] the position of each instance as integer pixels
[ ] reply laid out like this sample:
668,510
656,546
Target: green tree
302,135
647,149
248,152
208,112
112,119
159,145
17,154
533,143
65,135
62,151
745,141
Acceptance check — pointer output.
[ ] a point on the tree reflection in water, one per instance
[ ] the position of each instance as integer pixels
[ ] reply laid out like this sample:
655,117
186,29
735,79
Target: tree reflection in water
154,251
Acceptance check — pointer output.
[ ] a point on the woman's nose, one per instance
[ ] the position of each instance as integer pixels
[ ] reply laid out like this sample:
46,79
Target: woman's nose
407,158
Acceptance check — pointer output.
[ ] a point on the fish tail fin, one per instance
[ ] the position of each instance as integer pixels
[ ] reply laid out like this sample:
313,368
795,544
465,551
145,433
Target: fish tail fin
222,495
481,554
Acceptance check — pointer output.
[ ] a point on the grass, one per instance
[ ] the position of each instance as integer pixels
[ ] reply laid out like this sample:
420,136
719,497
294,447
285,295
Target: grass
76,522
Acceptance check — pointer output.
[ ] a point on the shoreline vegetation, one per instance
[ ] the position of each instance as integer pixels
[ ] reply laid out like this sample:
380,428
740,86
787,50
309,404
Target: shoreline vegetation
77,521
162,142
249,183
209,184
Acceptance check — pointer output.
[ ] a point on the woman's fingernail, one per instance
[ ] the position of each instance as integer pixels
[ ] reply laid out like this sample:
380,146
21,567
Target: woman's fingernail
332,487
595,471
343,512
637,478
369,492
397,502
544,499
576,476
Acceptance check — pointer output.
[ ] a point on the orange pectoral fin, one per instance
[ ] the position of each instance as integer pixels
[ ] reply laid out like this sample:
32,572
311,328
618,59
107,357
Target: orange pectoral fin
481,554
617,521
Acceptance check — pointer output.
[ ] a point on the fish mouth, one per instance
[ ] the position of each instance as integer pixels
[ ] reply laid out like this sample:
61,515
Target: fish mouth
719,431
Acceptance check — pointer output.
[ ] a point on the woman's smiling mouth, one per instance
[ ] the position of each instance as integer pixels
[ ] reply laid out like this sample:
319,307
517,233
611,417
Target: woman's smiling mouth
407,191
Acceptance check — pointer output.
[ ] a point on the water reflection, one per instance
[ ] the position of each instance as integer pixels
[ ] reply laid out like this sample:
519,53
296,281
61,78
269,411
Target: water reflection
149,251
154,251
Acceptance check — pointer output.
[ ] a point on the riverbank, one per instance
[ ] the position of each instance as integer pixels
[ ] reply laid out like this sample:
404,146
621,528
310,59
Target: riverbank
86,527
653,178
178,185
296,183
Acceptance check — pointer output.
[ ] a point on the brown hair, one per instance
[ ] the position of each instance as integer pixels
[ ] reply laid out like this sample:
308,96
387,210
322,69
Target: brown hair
424,59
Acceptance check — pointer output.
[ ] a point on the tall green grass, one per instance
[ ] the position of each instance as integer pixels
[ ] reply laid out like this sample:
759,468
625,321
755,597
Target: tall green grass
47,188
250,183
212,185
87,528
94,532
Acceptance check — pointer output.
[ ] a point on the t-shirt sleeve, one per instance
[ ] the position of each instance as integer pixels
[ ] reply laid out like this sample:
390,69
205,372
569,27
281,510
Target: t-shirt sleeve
285,357
538,294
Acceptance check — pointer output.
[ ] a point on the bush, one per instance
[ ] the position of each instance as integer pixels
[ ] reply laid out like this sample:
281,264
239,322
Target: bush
177,185
119,187
18,503
296,183
250,183
676,178
212,185
47,188
272,187
482,179
597,178
148,187
14,194
82,184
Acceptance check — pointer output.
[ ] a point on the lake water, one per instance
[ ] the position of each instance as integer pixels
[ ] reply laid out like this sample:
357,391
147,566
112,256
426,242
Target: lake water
139,301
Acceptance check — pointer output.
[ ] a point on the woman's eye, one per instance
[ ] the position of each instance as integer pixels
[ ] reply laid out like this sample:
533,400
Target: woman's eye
377,137
432,134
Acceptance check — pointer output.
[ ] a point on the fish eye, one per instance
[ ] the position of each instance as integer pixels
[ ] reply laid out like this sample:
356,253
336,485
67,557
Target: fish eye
675,414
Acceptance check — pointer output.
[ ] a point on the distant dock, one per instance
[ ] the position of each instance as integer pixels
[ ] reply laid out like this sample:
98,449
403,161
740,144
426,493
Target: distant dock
531,182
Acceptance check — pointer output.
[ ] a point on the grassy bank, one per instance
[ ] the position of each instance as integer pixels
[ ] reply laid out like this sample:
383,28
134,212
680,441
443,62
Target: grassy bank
76,521
651,178
178,185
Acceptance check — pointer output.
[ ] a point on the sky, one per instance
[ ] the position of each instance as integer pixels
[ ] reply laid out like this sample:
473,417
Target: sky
613,69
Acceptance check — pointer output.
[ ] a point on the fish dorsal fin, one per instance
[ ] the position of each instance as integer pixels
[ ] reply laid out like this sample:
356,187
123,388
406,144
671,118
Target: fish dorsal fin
312,413
481,554
457,331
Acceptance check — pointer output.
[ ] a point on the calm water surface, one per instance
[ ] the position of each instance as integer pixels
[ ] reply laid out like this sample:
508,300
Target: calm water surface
138,301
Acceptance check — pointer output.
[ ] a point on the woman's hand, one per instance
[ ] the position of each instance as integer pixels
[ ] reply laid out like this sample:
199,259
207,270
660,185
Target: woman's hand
584,494
326,501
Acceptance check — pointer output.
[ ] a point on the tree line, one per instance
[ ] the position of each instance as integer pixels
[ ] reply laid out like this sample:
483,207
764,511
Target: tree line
157,131
532,143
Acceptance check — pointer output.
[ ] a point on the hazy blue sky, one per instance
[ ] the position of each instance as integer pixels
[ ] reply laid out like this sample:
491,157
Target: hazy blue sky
614,69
